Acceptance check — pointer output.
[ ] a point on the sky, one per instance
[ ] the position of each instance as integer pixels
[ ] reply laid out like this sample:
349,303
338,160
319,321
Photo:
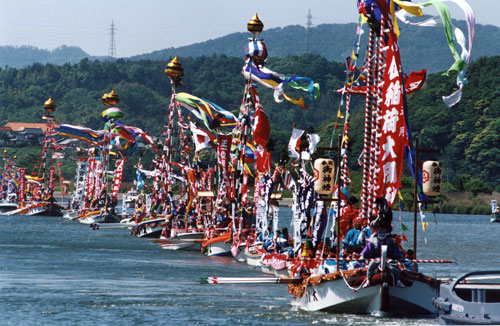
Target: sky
149,25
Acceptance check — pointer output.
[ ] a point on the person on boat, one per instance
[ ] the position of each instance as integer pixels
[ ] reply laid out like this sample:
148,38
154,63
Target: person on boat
364,235
192,222
306,249
350,242
408,264
348,214
373,250
219,216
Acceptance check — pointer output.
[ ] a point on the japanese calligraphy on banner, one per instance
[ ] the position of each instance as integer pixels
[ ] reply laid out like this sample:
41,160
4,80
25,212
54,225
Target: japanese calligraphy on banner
57,155
52,174
223,157
392,136
117,182
90,178
22,185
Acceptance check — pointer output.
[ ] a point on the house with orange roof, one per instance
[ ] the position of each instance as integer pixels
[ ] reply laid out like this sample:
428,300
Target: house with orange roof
25,132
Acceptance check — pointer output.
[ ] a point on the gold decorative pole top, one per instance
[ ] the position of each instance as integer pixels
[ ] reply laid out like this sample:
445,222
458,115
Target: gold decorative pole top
255,25
49,105
175,69
111,98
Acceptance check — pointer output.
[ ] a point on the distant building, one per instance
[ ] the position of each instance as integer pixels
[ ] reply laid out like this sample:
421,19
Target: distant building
24,132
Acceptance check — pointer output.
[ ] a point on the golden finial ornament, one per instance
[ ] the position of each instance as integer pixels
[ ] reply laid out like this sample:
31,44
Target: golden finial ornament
105,99
15,157
174,69
113,98
49,105
5,151
255,25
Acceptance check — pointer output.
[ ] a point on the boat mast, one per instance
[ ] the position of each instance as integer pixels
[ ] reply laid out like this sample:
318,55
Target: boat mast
175,72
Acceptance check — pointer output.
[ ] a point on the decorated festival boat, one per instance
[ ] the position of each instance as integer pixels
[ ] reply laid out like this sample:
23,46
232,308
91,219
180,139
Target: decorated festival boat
379,278
383,286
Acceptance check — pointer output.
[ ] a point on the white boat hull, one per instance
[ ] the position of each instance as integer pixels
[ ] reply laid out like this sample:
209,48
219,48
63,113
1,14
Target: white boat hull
238,252
7,206
190,241
336,296
218,249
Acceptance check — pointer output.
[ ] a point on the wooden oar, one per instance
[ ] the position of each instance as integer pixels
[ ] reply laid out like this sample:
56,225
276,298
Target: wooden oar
249,280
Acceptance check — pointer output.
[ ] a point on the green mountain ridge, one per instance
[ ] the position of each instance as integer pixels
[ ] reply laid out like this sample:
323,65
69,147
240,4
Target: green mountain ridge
421,47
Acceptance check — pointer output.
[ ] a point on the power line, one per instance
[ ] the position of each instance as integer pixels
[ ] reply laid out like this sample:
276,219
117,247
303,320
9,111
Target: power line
112,46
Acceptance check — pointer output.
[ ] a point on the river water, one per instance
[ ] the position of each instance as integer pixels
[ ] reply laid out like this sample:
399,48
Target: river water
54,272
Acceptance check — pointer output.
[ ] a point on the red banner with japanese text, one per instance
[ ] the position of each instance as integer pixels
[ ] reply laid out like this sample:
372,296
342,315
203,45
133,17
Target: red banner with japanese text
223,157
22,186
90,178
117,181
52,176
392,136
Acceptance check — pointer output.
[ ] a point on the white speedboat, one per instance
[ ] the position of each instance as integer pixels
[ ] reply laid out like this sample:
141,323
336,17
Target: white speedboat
219,245
7,205
473,298
183,241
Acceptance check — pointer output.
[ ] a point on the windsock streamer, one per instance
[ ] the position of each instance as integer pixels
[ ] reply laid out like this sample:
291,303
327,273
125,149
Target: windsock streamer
453,34
210,113
277,81
79,132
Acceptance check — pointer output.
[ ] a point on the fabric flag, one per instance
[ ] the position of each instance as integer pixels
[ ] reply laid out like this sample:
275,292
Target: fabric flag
140,132
288,181
314,140
223,157
52,173
263,160
261,126
267,185
250,153
210,113
201,138
277,81
294,143
139,181
392,137
453,34
320,222
244,188
22,185
306,199
413,82
117,181
81,133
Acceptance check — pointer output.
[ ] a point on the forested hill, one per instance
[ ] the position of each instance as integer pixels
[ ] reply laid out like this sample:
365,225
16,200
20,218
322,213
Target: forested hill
422,47
22,56
468,133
